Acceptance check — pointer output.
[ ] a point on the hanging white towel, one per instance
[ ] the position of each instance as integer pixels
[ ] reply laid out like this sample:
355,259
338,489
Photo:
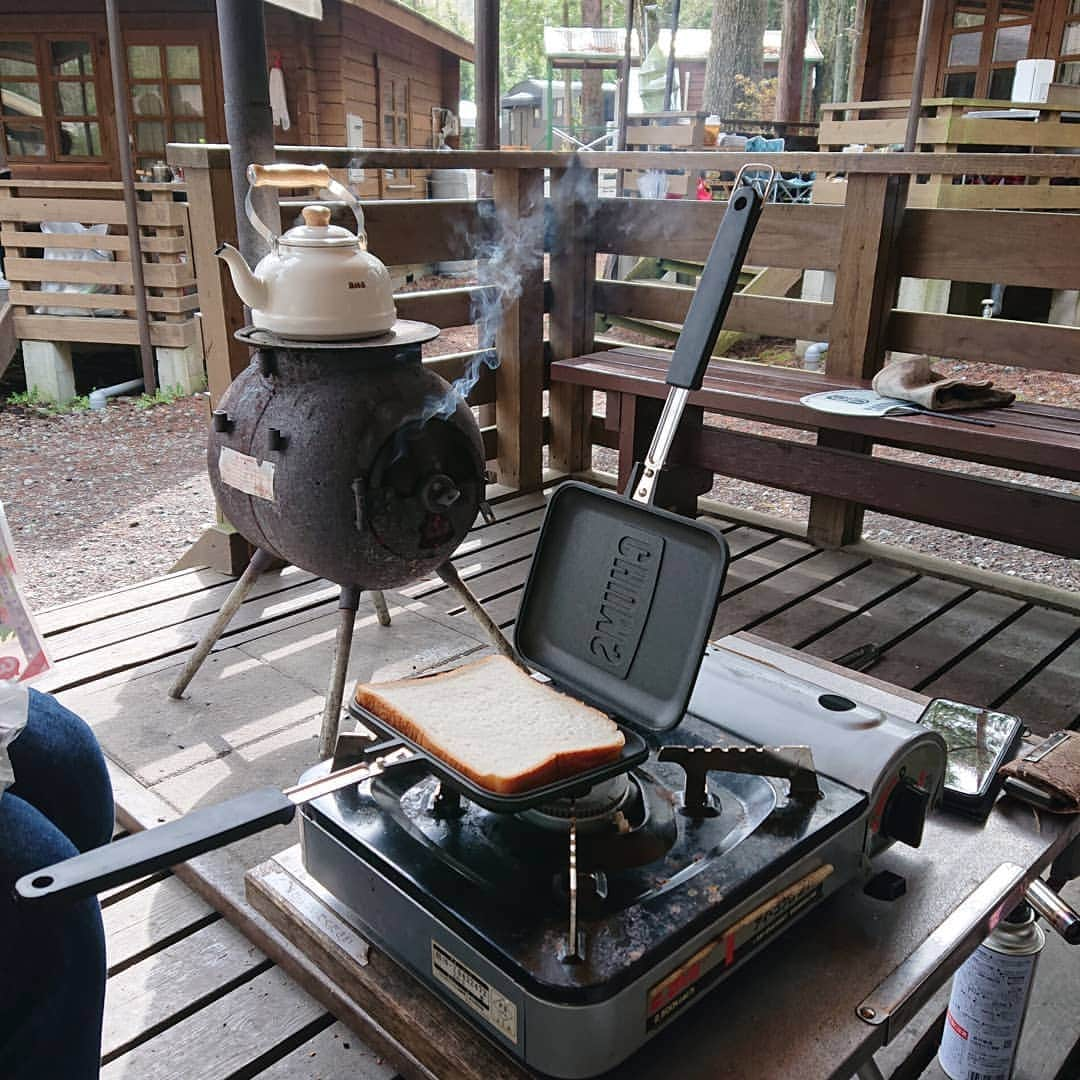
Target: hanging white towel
278,105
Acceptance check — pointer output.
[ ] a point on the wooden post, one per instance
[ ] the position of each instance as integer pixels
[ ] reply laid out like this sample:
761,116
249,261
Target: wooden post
519,378
486,70
792,61
212,221
866,288
570,326
915,106
212,218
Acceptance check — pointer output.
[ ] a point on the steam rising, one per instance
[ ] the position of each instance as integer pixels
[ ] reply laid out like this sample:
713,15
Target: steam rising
506,245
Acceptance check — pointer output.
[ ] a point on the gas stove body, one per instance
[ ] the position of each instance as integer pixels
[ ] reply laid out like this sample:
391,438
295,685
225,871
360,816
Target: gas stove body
475,903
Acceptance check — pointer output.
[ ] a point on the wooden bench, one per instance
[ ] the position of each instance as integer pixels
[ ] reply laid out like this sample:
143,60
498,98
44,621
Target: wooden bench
1028,438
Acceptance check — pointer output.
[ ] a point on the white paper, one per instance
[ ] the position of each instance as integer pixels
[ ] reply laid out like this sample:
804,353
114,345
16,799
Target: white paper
22,647
858,402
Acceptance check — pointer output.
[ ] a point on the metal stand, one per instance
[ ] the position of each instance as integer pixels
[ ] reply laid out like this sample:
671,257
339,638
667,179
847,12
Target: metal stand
260,562
348,602
448,573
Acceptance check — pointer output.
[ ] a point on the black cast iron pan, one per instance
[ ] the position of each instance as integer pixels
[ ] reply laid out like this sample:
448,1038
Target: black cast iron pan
621,595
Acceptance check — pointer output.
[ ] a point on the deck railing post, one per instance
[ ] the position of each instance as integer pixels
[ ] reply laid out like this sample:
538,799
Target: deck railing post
210,199
212,221
519,340
571,322
866,287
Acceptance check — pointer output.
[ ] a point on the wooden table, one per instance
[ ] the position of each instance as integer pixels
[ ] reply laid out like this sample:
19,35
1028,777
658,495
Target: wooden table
792,1012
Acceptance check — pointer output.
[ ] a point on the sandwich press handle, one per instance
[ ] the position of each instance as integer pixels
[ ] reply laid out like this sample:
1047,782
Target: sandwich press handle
708,308
141,853
716,286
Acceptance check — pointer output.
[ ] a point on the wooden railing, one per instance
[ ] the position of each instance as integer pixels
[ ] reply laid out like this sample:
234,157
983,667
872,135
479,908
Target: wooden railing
953,126
869,242
105,316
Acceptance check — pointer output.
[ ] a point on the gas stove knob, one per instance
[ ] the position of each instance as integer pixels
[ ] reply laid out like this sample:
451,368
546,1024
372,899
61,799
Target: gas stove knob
905,813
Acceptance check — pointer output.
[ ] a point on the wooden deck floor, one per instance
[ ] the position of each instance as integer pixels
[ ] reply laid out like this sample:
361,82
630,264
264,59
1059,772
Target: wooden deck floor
189,996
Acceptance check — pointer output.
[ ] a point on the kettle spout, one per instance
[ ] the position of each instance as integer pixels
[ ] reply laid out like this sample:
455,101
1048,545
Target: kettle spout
252,291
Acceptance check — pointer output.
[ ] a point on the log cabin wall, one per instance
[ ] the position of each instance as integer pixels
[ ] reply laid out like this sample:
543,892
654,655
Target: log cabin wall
352,62
887,52
356,63
162,22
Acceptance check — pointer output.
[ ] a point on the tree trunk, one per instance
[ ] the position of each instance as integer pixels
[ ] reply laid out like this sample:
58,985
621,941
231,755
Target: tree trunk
720,68
792,53
592,97
736,36
750,44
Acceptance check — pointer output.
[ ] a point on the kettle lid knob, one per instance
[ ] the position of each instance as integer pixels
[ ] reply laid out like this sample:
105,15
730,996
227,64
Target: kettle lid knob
316,216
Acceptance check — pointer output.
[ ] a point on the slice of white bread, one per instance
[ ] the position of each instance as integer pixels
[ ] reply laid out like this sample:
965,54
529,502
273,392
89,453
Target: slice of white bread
502,729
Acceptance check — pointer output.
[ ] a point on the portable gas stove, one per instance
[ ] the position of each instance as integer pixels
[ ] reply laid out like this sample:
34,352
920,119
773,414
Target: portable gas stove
572,931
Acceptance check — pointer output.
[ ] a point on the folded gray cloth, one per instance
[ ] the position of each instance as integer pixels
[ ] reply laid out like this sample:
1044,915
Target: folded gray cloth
913,380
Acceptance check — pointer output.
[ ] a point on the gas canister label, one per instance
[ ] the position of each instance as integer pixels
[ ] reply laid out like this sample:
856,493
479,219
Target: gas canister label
247,474
497,1009
986,1013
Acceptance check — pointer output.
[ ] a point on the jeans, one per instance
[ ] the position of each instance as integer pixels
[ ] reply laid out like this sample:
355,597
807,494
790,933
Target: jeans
52,959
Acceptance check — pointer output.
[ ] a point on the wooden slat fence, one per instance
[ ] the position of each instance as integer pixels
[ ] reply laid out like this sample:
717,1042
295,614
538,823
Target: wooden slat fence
109,318
869,242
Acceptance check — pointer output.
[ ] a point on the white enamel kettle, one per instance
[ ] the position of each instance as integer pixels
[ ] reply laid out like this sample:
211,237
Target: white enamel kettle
318,281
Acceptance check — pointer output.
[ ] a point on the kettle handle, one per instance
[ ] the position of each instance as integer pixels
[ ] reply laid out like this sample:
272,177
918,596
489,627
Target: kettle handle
284,175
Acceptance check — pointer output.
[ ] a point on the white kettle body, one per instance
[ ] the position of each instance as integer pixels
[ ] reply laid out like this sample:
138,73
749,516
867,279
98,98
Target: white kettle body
318,282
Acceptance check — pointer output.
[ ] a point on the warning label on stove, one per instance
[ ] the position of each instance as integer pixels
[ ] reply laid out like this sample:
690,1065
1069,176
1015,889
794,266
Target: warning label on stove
687,982
247,474
497,1009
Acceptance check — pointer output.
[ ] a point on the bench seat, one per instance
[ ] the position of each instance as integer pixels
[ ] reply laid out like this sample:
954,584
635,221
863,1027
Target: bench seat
1029,438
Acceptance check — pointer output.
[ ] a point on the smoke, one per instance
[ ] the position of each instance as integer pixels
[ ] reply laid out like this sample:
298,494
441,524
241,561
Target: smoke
505,245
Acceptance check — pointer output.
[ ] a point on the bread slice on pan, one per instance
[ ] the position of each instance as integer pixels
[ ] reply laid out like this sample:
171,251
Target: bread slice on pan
502,729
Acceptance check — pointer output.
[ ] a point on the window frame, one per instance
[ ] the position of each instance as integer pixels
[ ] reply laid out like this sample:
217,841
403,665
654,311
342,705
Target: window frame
1057,42
51,118
985,67
389,78
162,41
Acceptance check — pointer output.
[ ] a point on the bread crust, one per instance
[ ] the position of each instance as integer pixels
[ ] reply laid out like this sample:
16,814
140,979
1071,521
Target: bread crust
557,766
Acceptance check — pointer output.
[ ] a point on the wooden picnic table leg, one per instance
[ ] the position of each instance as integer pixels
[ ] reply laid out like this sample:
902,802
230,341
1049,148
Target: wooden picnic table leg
867,281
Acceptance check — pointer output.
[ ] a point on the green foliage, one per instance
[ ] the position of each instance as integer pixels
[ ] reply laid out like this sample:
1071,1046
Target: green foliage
163,395
31,399
754,100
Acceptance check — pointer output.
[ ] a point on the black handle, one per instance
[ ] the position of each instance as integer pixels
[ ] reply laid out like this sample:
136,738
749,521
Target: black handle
715,288
166,845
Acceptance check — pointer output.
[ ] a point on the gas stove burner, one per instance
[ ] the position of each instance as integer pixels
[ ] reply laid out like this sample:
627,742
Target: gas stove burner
596,807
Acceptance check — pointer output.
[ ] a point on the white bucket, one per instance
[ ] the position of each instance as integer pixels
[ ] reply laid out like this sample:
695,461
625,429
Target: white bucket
453,184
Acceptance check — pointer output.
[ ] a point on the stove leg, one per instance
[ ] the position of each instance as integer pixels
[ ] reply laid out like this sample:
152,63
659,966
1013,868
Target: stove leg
381,609
348,602
260,561
448,572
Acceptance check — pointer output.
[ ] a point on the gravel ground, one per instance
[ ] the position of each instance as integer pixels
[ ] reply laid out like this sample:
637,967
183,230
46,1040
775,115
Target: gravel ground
96,501
100,500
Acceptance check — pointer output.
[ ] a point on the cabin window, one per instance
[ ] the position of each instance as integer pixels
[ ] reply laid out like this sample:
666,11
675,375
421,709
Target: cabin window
985,40
165,82
1069,69
49,96
394,121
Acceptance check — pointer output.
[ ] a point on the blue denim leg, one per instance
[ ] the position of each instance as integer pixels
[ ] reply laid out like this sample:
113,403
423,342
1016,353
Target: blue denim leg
52,960
60,770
